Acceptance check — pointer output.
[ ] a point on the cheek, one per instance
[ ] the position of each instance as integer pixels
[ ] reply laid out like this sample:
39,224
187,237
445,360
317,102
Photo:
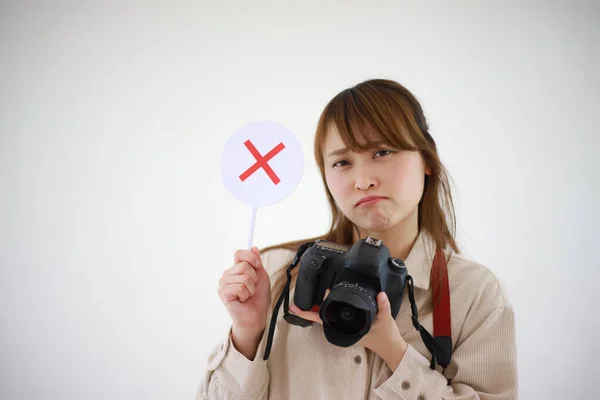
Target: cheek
408,182
337,186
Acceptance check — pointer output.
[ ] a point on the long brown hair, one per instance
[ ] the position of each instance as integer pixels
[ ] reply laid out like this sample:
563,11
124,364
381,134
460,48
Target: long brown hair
381,109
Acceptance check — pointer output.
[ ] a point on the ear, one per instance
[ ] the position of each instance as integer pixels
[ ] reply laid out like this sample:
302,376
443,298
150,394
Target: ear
426,166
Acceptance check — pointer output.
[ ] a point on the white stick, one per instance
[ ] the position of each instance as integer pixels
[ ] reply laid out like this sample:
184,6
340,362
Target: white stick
252,223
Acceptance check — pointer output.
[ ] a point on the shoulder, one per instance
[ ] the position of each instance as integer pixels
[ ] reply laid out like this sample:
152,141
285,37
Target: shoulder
476,283
275,260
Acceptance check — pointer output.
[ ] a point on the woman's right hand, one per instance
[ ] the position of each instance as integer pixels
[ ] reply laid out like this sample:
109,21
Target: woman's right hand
245,289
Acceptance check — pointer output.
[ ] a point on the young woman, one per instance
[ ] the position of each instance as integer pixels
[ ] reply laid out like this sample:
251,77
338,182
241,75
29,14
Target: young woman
383,179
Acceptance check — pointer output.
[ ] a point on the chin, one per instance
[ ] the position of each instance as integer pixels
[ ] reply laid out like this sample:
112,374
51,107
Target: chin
375,223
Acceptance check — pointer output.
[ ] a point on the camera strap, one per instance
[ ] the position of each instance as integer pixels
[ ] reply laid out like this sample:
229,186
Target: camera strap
440,345
285,298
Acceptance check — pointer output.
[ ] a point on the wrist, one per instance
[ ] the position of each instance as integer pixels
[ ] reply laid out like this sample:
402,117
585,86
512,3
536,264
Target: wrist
394,354
247,333
246,341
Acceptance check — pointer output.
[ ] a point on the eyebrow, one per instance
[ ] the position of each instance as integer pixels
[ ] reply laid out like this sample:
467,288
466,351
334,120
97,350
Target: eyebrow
338,151
345,149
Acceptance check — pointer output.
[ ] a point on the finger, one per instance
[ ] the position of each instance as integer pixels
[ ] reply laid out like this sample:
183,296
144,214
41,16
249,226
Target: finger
243,268
383,303
239,279
233,292
308,315
256,251
246,255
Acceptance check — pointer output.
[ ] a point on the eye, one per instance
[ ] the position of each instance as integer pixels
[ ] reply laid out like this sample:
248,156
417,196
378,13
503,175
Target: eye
341,163
381,153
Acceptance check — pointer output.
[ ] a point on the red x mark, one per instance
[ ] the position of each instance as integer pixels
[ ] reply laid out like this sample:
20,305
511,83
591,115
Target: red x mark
261,162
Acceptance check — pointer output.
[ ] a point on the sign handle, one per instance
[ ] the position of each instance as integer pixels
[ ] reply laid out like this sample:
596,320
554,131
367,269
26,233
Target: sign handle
252,223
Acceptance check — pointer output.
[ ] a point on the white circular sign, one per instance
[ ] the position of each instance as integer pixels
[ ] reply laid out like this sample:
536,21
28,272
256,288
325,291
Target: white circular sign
262,163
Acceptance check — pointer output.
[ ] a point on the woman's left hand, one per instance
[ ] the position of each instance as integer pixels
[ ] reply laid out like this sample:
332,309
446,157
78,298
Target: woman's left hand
384,338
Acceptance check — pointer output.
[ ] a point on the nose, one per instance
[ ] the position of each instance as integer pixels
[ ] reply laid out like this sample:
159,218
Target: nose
364,179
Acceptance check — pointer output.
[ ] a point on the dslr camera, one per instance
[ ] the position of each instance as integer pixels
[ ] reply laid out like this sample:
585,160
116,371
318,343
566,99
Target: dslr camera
355,275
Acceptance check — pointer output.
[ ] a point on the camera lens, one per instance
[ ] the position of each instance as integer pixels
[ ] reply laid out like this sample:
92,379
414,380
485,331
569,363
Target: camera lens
344,318
347,313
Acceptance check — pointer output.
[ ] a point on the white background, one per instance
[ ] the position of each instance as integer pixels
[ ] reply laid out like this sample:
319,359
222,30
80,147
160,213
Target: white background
115,225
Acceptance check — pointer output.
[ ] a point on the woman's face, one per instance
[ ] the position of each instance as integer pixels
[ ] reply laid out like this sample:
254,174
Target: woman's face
377,189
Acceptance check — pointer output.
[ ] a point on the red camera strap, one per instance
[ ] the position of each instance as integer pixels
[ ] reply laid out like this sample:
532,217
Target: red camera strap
442,328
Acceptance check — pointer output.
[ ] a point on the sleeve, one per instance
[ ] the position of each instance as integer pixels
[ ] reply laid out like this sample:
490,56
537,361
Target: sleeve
230,375
485,364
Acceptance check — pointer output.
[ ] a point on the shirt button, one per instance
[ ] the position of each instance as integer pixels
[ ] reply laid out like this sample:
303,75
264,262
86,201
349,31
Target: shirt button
357,359
405,385
421,397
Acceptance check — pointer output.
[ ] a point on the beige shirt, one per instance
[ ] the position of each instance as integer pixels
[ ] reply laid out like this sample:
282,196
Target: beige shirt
304,365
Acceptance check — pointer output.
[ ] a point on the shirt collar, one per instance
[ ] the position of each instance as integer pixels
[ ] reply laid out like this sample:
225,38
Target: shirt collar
420,258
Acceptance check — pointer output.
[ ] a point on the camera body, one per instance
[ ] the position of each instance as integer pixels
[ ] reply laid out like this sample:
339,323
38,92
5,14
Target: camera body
355,275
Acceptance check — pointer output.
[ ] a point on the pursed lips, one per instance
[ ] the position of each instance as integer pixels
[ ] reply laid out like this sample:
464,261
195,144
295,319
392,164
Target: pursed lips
369,199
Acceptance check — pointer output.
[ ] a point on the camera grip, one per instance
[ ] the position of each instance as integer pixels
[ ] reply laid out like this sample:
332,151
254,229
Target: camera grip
395,283
307,282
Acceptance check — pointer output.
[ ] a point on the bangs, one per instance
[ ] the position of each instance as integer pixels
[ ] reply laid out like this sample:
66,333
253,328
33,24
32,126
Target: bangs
366,119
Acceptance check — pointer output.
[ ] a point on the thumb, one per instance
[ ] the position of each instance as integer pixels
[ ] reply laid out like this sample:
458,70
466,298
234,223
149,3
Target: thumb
383,303
257,252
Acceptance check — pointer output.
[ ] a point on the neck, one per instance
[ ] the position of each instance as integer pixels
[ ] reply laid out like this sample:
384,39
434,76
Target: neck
399,239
